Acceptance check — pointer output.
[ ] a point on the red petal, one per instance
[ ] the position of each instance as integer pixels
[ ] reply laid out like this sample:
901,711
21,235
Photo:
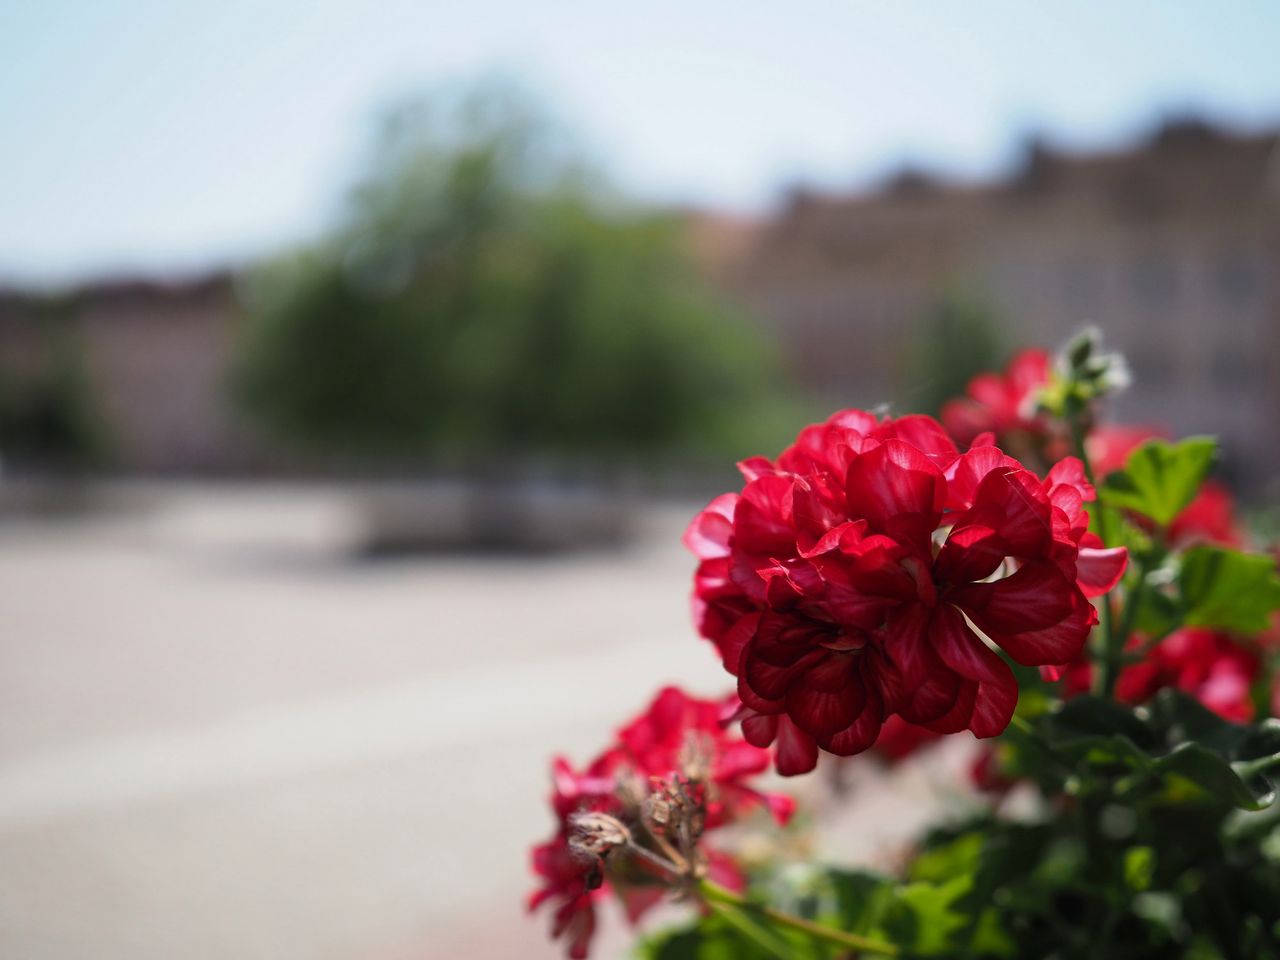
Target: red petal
963,652
1028,371
735,641
1036,615
862,733
961,713
763,685
899,490
753,468
708,533
762,518
1099,569
797,752
829,698
1069,471
930,688
759,729
1012,502
924,433
972,552
966,473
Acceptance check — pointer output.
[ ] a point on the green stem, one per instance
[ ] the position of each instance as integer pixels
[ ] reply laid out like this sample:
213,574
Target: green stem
715,894
1131,603
758,935
1106,678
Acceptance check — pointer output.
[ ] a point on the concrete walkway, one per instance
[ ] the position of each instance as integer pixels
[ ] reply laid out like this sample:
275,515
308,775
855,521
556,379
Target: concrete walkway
222,740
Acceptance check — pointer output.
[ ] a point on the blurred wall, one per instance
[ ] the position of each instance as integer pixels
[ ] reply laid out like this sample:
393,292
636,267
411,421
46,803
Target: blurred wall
1172,248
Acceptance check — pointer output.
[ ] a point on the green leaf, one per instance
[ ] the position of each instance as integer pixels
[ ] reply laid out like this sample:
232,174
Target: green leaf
1228,590
1092,717
926,916
1159,479
1139,865
1175,749
1157,614
861,899
960,857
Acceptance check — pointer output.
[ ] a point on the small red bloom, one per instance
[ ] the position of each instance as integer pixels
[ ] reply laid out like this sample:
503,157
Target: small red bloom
1002,404
1209,665
675,734
844,584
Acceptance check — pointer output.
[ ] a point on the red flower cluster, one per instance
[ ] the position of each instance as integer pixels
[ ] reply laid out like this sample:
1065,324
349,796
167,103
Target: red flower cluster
1004,404
1209,665
844,584
675,731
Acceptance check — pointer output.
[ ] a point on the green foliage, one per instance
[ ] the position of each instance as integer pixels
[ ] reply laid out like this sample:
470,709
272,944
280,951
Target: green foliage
1228,589
484,299
1155,830
1207,586
1165,844
1159,479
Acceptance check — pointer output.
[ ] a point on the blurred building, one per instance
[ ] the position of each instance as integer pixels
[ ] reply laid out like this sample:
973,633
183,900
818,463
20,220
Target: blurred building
1172,248
154,358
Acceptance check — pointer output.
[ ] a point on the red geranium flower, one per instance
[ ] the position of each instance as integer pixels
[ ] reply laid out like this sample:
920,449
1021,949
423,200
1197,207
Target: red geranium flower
844,584
1003,404
1208,664
675,732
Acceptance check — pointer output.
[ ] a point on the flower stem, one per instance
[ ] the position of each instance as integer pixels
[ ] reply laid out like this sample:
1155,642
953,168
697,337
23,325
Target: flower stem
714,895
1112,649
758,935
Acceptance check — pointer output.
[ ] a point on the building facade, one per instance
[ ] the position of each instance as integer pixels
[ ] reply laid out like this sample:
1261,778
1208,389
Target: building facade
1171,248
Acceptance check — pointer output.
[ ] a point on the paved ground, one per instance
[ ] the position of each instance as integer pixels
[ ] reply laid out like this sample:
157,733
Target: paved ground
221,738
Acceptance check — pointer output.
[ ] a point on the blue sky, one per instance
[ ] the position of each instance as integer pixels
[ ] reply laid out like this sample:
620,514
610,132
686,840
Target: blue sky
155,136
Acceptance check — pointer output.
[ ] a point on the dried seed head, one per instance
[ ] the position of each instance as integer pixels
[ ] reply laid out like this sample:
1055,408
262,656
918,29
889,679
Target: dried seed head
657,810
593,836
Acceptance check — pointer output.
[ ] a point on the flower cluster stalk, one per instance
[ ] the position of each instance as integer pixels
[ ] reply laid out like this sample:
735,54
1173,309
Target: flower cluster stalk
1112,641
716,896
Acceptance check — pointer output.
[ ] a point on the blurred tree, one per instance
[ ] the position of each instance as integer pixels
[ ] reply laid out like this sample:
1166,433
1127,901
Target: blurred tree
486,299
46,414
958,338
